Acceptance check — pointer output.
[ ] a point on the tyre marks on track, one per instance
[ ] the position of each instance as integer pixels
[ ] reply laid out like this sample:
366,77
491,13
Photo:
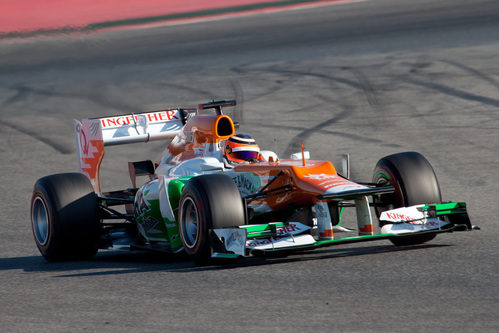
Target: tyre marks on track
454,85
58,147
429,81
101,98
454,92
22,93
339,109
368,89
475,72
238,110
305,134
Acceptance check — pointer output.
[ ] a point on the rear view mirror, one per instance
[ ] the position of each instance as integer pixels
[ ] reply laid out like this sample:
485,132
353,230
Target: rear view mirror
298,156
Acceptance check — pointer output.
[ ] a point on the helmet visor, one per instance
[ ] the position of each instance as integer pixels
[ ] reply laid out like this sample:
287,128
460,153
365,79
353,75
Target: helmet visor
244,155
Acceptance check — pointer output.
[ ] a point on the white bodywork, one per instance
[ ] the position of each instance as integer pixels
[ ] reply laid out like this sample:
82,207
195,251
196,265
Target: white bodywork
92,135
234,239
409,219
193,167
281,242
140,127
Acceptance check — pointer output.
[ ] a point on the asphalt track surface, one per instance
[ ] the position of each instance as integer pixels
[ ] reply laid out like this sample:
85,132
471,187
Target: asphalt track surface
368,78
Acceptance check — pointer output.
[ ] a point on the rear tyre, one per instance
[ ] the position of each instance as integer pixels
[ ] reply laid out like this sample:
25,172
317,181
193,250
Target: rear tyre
207,202
414,181
64,217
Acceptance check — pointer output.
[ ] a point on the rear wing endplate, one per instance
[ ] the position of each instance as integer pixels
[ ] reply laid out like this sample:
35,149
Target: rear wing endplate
92,135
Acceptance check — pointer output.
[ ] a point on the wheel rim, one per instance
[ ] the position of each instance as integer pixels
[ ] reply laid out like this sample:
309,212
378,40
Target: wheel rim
40,221
189,223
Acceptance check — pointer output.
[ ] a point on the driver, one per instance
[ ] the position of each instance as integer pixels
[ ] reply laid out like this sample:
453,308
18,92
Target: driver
241,148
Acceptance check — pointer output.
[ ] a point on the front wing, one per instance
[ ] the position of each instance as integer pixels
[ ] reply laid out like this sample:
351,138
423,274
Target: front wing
279,237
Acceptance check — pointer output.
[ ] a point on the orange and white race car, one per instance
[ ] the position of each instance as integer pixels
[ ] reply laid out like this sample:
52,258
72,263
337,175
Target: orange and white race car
215,194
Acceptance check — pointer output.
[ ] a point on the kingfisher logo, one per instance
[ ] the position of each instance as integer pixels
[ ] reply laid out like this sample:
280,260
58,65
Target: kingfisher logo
291,228
153,117
399,217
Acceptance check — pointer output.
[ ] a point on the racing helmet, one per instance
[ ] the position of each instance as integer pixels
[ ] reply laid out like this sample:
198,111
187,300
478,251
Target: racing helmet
240,148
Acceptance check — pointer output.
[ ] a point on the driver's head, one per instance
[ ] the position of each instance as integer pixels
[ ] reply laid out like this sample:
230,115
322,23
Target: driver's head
241,148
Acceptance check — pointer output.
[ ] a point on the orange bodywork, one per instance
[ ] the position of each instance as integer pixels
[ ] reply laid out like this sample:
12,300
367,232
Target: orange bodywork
207,128
90,150
199,130
91,163
307,182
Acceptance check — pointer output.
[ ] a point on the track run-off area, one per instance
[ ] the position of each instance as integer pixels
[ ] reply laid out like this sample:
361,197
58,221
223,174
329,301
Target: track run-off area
29,18
367,78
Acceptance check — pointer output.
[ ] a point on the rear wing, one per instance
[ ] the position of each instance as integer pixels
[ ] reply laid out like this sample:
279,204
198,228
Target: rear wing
93,134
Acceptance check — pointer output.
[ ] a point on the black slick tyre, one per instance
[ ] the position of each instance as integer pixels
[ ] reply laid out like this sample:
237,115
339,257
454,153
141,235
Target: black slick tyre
414,181
65,217
207,202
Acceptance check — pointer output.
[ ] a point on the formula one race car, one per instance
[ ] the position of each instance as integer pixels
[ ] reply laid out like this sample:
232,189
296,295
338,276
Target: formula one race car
215,194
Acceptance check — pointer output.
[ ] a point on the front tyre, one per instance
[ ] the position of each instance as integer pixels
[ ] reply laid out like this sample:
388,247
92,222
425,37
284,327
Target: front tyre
415,183
207,202
64,217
